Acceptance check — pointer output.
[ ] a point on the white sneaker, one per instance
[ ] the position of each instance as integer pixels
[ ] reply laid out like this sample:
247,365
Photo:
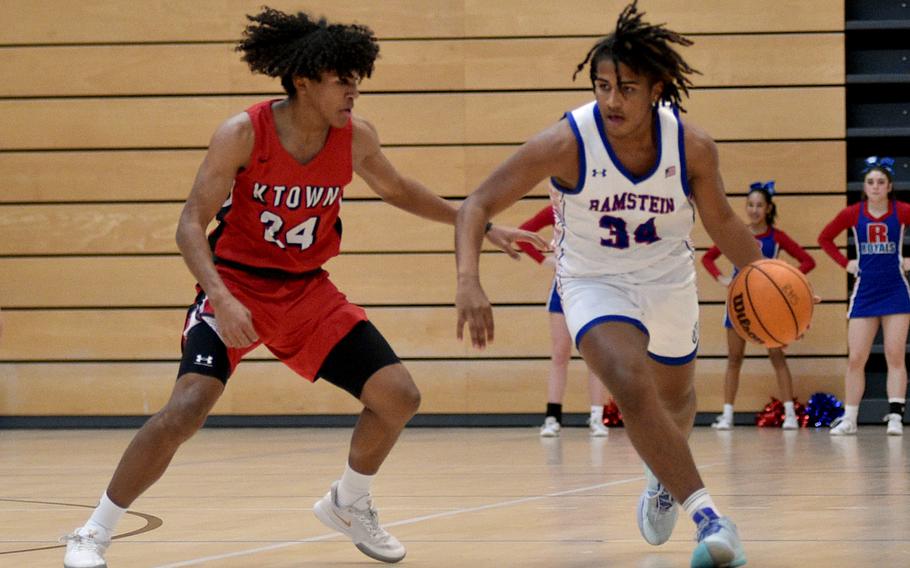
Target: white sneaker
895,424
550,428
842,427
790,423
360,522
722,423
657,512
718,543
85,549
597,428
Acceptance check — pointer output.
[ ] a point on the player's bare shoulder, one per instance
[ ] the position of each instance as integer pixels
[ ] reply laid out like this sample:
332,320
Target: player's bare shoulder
233,141
556,149
364,138
238,128
700,148
699,144
558,139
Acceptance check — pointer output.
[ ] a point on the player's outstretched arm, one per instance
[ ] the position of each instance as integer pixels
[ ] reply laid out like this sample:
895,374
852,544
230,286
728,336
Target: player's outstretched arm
727,230
553,152
405,193
408,194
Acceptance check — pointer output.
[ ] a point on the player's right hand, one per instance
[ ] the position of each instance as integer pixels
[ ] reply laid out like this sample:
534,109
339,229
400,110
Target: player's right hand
235,323
853,267
474,309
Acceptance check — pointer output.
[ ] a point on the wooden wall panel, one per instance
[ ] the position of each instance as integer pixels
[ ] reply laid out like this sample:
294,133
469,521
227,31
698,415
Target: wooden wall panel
147,334
804,167
66,229
49,21
453,171
449,386
757,382
399,279
96,167
128,229
792,218
472,118
826,336
828,279
488,18
408,66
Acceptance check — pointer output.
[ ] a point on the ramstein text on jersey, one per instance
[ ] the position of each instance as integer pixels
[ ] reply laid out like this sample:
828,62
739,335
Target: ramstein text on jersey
631,202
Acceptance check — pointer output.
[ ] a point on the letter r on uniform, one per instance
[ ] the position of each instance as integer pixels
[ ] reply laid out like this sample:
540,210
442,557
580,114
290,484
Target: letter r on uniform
877,232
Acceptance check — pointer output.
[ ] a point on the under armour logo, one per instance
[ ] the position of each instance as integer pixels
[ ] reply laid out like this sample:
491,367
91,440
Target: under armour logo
207,361
602,172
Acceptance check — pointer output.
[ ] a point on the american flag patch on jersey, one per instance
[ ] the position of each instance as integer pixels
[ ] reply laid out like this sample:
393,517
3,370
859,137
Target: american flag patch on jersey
671,171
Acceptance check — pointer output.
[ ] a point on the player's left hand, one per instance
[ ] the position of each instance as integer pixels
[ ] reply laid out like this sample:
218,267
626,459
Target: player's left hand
905,265
475,311
506,237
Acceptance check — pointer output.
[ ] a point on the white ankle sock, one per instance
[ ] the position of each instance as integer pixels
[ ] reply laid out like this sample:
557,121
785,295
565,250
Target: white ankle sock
698,501
106,516
728,412
597,413
788,408
851,412
353,486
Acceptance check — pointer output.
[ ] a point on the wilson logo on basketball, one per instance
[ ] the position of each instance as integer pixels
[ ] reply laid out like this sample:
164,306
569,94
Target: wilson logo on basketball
789,293
739,312
770,303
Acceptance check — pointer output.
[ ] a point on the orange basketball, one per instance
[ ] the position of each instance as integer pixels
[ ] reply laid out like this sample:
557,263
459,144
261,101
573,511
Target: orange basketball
770,303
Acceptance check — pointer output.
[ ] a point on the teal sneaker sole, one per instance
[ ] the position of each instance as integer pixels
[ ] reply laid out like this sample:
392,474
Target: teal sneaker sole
702,558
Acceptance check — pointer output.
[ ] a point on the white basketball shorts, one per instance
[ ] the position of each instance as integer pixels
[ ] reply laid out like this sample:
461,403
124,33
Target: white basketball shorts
665,309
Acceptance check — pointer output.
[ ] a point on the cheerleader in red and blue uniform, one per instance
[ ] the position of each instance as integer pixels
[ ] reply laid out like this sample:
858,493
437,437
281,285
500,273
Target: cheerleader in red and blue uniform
561,347
761,211
881,294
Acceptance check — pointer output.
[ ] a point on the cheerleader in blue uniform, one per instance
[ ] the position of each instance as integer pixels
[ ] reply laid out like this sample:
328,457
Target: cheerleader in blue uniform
881,293
761,212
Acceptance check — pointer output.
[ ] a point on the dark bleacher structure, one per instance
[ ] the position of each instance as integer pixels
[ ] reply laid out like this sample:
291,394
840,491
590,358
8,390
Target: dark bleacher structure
878,123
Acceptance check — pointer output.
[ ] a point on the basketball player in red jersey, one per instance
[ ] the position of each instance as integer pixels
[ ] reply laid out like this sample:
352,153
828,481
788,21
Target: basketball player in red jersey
274,177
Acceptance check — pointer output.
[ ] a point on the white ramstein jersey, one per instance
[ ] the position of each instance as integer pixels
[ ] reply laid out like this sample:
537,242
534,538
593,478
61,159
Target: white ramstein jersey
613,222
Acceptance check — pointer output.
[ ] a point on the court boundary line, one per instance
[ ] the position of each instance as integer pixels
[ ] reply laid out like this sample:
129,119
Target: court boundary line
411,521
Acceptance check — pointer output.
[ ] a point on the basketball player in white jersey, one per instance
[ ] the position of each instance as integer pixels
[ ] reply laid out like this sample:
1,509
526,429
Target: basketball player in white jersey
626,177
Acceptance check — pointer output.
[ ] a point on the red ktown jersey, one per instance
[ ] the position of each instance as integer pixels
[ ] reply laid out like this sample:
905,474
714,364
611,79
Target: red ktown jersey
282,216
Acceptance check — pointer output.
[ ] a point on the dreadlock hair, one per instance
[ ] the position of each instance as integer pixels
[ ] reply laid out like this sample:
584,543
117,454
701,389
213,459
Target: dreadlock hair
771,214
645,48
284,45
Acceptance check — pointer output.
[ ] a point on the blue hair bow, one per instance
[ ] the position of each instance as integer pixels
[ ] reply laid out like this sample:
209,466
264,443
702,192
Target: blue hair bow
883,163
767,187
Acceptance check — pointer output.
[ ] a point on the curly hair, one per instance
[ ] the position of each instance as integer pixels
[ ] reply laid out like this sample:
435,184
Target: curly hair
644,48
284,45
